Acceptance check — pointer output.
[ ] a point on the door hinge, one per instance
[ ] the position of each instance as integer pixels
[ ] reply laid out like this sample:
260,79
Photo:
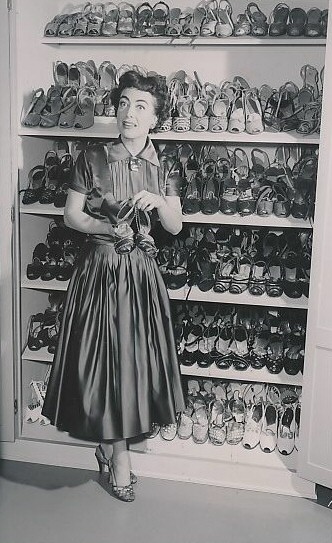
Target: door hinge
9,5
15,407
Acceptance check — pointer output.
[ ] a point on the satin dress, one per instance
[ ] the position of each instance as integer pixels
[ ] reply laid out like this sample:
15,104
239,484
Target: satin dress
115,370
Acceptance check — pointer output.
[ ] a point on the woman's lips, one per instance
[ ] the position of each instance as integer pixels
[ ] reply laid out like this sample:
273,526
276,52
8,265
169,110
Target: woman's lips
128,124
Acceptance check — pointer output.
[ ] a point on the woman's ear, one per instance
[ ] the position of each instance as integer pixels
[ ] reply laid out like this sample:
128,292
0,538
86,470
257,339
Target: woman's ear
154,122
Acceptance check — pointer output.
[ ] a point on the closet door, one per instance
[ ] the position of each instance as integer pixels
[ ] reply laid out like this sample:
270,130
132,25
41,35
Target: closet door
315,452
6,319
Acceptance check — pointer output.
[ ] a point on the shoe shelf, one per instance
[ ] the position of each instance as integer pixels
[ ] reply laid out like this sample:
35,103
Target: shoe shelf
193,294
250,220
38,284
107,129
42,355
197,218
41,432
183,40
251,374
225,453
41,209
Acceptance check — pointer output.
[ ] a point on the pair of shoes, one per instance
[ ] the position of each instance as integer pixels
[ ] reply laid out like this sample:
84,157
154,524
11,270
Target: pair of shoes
126,240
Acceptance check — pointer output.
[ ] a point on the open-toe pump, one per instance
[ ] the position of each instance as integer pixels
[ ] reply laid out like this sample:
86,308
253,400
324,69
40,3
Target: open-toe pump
104,463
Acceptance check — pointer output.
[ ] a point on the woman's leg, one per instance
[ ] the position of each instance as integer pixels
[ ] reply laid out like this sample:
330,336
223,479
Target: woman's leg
118,451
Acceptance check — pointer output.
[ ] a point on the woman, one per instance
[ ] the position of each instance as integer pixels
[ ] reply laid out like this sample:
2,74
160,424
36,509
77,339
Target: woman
115,371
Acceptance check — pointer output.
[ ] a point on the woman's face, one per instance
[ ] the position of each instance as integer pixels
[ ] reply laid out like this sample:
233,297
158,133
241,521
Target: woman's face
136,113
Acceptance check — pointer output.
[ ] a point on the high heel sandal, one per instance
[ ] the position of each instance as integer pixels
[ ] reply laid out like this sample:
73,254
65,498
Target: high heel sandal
104,462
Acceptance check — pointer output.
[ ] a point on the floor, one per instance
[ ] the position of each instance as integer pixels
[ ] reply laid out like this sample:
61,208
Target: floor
44,504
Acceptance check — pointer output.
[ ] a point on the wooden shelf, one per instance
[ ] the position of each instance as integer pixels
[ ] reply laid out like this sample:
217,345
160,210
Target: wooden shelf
196,295
215,219
184,41
105,128
42,355
251,374
38,284
251,220
41,209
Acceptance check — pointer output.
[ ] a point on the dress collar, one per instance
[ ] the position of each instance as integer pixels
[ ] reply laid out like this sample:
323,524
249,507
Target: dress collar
116,151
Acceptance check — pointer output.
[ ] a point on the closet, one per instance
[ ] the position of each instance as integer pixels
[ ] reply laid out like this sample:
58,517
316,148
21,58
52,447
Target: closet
259,61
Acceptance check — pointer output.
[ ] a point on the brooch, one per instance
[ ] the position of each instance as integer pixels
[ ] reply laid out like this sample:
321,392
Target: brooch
134,164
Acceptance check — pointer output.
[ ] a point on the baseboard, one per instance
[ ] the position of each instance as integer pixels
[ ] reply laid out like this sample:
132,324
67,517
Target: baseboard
165,466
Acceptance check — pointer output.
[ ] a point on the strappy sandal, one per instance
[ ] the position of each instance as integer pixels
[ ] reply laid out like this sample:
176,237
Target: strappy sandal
37,104
96,18
174,27
240,279
193,27
253,112
225,26
69,100
50,114
258,352
257,278
199,121
313,27
218,119
142,26
126,18
159,19
258,20
223,273
82,21
124,234
110,22
310,78
143,239
311,120
67,25
86,99
88,73
297,22
246,202
242,26
278,20
236,122
274,277
228,200
36,180
208,26
181,122
60,73
210,196
52,27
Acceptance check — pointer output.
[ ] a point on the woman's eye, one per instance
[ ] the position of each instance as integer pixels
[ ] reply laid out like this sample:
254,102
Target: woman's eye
122,104
140,107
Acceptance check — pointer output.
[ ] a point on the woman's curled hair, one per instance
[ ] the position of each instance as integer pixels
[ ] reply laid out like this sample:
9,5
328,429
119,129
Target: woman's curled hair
154,84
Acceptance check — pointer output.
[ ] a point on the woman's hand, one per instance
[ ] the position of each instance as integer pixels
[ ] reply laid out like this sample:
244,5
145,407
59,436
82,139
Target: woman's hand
146,201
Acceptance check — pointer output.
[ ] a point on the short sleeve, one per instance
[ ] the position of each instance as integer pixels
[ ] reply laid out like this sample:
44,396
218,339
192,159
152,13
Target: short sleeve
82,175
173,184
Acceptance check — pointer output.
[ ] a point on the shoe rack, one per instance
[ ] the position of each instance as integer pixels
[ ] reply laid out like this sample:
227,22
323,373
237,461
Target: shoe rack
259,61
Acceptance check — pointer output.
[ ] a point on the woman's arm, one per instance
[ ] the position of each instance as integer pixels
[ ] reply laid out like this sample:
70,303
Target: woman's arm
74,216
168,208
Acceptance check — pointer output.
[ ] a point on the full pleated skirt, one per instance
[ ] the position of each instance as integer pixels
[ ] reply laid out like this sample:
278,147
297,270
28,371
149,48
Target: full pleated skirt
115,371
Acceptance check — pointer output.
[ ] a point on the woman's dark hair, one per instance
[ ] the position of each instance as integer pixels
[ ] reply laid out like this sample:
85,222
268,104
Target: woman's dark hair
154,84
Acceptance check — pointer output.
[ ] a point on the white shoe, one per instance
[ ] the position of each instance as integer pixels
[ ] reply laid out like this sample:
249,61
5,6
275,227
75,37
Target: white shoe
253,426
286,431
268,437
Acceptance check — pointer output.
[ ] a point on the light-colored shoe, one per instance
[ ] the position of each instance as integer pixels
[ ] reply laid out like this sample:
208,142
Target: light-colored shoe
268,437
185,427
253,426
